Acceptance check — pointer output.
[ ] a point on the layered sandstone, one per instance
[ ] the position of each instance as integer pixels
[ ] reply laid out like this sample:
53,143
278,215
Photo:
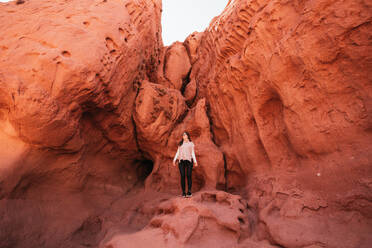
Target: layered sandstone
69,75
275,94
298,137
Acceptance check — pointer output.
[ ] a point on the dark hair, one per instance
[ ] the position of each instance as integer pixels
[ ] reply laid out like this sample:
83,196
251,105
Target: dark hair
188,136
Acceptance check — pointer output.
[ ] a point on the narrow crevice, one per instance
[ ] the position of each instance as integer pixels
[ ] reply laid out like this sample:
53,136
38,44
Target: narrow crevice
185,81
135,136
144,165
144,168
210,123
136,84
226,171
193,101
225,187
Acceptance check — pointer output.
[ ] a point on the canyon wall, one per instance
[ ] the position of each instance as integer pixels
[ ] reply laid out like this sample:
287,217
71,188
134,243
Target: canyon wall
289,93
69,76
298,75
276,95
288,86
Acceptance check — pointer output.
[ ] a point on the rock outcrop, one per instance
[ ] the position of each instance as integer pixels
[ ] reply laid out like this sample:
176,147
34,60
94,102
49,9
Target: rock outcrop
297,74
209,219
288,85
276,95
69,76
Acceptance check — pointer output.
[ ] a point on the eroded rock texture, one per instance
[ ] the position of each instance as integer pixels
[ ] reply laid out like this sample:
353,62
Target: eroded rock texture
69,76
288,85
276,95
209,219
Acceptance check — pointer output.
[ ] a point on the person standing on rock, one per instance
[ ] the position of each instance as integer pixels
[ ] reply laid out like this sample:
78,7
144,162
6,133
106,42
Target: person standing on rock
186,155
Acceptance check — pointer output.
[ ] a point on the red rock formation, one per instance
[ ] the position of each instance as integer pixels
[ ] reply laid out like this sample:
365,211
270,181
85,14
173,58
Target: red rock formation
69,76
161,116
209,219
289,89
176,65
276,96
291,71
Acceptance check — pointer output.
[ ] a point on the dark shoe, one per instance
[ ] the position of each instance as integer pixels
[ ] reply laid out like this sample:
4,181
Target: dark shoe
183,194
188,194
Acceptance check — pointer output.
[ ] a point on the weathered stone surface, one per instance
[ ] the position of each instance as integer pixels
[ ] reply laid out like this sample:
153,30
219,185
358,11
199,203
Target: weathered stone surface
298,77
69,77
190,92
209,219
275,94
159,139
177,65
288,85
192,43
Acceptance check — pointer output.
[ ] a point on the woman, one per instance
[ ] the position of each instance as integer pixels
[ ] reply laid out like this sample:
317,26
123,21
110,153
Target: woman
185,154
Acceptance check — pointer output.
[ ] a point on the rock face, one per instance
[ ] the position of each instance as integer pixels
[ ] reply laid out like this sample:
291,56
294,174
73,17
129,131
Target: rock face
69,75
209,219
291,72
299,133
176,65
276,95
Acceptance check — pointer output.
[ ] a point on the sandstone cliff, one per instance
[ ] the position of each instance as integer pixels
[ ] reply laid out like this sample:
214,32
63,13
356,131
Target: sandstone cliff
276,95
70,73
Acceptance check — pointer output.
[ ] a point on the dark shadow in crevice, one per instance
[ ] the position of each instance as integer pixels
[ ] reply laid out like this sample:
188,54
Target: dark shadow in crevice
144,168
198,181
185,81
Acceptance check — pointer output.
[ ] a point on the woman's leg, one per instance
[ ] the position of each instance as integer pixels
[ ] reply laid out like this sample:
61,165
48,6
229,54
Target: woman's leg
181,166
189,176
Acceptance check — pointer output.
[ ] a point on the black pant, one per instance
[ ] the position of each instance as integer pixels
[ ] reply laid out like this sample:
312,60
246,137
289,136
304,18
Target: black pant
185,164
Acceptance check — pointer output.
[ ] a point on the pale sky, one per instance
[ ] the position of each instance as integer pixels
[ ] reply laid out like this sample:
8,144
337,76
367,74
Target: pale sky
182,17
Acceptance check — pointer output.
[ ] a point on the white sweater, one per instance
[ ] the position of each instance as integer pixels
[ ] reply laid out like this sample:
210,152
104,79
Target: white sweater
185,151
